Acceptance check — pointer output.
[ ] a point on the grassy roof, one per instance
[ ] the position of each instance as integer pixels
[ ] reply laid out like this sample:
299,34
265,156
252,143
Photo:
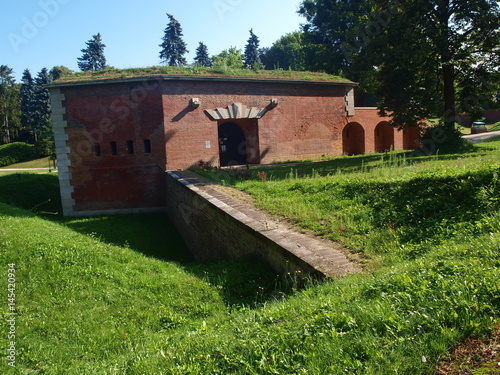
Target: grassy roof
111,73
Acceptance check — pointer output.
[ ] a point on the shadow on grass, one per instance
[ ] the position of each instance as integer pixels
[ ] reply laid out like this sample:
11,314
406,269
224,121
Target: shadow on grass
342,165
153,235
244,281
38,193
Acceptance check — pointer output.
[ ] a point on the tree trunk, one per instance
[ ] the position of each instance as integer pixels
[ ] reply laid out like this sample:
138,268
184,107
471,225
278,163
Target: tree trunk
7,131
449,94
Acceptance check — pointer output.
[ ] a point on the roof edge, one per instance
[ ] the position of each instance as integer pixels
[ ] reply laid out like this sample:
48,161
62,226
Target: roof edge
207,79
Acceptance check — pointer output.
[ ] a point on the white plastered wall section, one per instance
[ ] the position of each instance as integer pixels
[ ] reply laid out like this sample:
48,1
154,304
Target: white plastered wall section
62,151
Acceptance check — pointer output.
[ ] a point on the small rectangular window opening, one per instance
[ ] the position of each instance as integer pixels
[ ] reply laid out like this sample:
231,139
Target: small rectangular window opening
130,147
114,149
97,149
147,146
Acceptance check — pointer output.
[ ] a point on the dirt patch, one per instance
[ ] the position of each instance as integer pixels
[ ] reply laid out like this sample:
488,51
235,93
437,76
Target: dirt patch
478,356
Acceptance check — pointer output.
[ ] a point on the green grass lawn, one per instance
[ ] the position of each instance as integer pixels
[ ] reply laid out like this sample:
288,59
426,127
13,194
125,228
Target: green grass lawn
121,295
37,163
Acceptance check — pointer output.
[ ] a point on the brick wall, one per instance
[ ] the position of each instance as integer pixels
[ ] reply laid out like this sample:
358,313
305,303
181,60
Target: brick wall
215,231
305,124
107,128
378,135
116,138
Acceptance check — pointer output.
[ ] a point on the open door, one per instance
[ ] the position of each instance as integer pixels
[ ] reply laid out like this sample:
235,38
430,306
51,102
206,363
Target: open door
232,145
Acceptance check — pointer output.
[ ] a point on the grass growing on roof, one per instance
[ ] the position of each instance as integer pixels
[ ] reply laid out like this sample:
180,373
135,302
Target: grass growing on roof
112,73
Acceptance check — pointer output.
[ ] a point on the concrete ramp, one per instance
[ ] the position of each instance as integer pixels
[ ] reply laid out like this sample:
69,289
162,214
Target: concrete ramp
217,223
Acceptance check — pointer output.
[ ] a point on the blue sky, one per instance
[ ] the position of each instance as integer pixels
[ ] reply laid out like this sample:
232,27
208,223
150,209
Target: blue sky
45,33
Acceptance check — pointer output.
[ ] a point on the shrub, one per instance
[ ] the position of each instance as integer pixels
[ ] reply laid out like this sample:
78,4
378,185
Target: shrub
16,153
441,139
44,147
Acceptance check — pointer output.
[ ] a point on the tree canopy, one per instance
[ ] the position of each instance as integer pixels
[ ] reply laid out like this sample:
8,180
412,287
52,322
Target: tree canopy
28,101
422,58
229,58
43,112
93,56
173,47
9,103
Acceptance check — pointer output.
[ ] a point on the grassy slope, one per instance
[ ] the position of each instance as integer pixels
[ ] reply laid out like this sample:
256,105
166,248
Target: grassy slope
37,163
92,303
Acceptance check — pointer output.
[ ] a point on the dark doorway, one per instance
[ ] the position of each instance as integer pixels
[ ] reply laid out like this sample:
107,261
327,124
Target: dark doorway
353,139
232,145
384,137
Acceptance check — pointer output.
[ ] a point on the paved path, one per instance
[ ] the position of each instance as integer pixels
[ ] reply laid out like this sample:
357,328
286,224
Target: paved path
327,257
481,137
25,169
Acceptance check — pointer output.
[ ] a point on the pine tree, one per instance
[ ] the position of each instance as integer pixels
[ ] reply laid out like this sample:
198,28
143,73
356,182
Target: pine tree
28,101
42,113
252,55
202,58
93,56
173,47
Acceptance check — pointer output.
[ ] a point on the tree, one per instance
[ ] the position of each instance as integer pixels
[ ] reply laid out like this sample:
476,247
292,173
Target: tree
10,112
59,71
332,23
428,57
28,102
336,36
252,55
289,53
229,58
42,115
173,47
93,56
202,58
452,44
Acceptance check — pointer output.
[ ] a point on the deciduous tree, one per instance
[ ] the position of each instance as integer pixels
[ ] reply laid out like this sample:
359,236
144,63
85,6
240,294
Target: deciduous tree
428,57
230,58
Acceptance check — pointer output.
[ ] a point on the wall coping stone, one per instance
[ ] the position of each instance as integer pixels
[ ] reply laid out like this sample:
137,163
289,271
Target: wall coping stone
320,255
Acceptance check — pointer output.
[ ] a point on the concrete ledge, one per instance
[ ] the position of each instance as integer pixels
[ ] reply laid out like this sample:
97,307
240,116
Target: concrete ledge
150,210
215,230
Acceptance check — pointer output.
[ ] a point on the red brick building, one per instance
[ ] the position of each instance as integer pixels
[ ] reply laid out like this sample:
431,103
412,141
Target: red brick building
116,138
